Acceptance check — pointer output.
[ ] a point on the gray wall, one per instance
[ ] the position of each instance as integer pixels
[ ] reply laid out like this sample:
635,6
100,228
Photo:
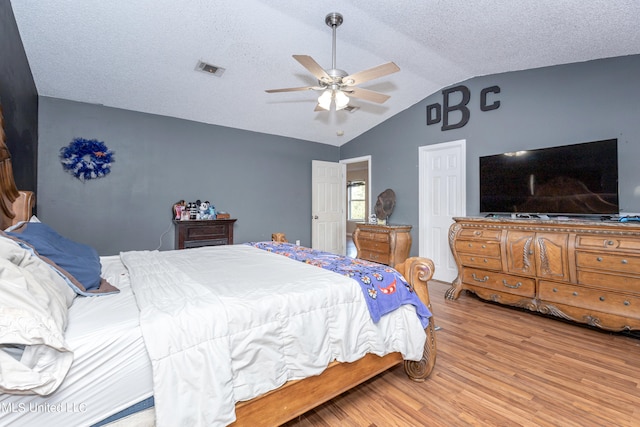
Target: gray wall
543,107
19,101
262,180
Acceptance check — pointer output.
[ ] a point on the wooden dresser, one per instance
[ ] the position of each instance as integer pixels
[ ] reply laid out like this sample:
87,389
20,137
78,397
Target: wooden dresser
385,244
208,232
583,271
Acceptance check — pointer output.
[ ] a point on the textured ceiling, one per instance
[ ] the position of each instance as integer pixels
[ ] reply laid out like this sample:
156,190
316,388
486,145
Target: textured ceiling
141,54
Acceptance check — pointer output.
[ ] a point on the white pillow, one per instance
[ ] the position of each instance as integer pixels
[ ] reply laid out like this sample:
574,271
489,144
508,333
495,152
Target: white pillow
33,315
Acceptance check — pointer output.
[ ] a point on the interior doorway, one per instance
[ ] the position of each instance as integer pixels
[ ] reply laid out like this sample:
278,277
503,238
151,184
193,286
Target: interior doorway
358,196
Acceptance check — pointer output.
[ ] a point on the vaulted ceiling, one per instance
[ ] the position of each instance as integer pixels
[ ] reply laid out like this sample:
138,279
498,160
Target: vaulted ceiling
142,55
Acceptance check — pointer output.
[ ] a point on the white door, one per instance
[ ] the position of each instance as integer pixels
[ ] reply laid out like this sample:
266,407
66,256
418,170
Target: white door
328,201
442,189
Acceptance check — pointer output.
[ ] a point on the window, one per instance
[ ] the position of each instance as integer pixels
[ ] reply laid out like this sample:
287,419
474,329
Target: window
356,192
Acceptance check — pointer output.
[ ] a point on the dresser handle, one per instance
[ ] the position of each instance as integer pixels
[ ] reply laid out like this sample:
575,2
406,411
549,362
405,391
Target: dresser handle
516,286
473,258
555,289
599,259
484,279
601,298
610,242
627,303
530,252
624,261
484,246
575,294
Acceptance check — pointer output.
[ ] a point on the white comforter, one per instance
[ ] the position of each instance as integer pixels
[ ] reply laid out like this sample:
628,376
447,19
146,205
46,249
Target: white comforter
228,323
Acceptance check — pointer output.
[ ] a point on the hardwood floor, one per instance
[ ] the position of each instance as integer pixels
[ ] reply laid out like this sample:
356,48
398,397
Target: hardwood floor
498,366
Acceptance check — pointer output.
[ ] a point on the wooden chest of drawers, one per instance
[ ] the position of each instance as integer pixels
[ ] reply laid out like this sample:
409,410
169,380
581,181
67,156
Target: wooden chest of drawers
385,244
585,271
197,233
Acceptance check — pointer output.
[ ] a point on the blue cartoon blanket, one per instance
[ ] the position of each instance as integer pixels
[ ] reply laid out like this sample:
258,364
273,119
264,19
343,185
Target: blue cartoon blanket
384,288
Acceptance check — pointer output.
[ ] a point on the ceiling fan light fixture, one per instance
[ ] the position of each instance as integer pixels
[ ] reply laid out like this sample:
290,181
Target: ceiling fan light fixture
342,100
324,100
330,95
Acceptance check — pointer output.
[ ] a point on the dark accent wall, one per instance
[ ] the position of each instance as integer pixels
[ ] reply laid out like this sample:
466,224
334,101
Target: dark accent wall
19,100
543,107
262,180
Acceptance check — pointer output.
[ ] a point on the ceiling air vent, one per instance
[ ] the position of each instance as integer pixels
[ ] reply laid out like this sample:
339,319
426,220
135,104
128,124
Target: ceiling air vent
209,69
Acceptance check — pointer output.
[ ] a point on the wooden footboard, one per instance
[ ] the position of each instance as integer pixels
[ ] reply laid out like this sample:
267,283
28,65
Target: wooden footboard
297,397
418,271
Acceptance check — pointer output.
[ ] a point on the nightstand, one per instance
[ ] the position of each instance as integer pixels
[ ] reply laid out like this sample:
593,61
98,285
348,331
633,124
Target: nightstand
208,232
385,244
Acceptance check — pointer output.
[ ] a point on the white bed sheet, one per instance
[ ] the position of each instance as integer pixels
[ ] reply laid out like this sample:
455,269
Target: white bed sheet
109,354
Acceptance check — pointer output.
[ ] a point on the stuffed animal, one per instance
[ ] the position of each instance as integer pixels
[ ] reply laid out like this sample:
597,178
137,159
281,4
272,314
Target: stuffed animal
193,209
212,212
178,208
203,210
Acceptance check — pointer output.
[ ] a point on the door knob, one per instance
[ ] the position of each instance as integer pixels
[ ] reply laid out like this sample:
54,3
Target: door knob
315,217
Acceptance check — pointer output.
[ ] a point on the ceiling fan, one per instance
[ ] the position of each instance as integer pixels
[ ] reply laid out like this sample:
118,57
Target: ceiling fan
336,85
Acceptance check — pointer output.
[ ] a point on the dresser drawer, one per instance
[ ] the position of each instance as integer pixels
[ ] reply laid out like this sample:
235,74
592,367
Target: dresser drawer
609,281
374,245
481,234
490,249
206,232
481,262
591,299
381,257
205,242
610,262
374,237
500,282
608,243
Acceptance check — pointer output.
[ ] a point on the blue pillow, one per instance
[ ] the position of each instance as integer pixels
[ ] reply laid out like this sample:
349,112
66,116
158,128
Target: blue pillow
79,260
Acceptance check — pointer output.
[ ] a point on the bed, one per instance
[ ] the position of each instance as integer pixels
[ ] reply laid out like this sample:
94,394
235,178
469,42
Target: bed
158,339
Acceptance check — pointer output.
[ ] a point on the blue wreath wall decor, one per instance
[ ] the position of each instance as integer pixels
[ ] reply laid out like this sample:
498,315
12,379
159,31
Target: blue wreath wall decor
86,158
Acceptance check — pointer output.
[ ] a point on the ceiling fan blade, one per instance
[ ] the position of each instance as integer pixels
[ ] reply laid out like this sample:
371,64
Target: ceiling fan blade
314,68
367,95
293,89
370,74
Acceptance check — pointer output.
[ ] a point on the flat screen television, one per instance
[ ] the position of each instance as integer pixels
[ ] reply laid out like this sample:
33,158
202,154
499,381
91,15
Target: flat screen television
577,179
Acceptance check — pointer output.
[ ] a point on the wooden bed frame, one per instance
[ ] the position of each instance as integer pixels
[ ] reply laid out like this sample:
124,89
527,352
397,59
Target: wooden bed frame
295,397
